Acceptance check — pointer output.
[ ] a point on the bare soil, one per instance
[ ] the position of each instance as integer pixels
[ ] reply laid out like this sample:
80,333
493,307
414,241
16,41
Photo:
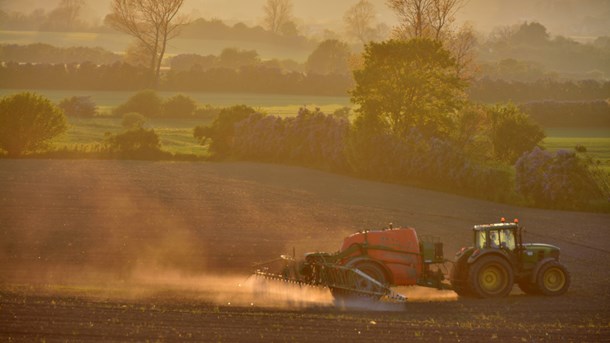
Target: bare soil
137,251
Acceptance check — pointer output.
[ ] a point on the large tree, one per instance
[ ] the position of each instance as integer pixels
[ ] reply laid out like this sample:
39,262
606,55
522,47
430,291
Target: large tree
27,122
408,84
152,23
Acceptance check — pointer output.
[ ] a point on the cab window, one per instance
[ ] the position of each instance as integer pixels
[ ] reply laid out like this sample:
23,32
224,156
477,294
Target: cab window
480,239
507,239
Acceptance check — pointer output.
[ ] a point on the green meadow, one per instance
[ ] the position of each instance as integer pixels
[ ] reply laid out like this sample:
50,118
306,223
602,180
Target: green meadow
275,104
177,135
595,140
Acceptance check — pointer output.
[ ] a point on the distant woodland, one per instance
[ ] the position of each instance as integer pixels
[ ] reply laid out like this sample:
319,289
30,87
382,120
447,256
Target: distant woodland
521,63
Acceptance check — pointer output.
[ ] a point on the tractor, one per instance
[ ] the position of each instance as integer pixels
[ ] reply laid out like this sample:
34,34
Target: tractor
370,262
499,258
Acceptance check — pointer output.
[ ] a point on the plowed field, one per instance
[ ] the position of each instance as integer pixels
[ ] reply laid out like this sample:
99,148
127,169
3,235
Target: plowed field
149,251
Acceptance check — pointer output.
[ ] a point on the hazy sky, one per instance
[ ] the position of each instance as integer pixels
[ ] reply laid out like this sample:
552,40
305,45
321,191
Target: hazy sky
559,16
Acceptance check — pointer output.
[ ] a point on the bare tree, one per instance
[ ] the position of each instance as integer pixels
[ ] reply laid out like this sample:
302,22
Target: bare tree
152,22
441,15
412,17
65,16
425,18
278,13
461,45
359,20
435,19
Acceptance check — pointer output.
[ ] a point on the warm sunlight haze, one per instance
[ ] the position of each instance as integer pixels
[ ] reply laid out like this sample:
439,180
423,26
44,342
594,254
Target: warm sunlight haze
305,170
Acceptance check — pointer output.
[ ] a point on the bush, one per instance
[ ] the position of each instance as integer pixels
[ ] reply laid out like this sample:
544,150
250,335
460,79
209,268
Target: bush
179,106
78,106
221,131
146,102
133,120
417,159
310,139
137,144
512,132
28,122
563,180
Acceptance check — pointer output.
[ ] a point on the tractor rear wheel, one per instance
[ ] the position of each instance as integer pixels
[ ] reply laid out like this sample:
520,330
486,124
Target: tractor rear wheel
490,277
553,279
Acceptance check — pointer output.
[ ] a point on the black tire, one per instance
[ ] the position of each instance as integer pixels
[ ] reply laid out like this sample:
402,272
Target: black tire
553,279
528,287
459,278
491,277
369,268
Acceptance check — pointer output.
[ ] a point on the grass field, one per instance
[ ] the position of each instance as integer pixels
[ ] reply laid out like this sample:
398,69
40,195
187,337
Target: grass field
596,140
176,135
276,104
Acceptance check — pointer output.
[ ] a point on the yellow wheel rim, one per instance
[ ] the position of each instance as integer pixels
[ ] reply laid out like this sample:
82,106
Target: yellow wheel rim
493,279
554,279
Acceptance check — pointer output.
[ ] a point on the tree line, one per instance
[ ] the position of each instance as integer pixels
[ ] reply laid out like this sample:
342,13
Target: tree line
268,79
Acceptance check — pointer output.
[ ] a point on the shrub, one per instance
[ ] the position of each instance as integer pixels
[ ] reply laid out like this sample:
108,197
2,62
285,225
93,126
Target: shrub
146,102
221,131
310,139
426,161
179,106
133,120
78,106
137,143
562,180
512,133
28,122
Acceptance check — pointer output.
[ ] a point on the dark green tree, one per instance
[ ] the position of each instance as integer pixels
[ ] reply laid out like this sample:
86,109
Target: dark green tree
221,131
28,122
409,84
512,133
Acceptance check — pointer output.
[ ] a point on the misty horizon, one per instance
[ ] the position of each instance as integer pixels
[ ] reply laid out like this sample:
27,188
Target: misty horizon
566,17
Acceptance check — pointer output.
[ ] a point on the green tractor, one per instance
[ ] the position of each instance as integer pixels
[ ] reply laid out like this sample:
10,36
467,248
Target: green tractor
499,259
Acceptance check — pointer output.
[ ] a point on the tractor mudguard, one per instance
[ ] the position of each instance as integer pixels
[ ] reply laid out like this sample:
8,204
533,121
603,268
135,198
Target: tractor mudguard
475,257
537,268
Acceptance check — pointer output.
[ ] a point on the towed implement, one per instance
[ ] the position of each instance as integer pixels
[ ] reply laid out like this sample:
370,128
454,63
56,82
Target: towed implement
371,262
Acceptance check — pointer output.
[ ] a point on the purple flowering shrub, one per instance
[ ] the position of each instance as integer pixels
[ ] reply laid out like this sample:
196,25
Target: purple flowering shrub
311,139
429,161
562,180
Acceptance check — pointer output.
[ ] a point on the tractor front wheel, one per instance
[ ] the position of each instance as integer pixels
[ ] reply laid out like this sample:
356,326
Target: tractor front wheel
553,279
490,277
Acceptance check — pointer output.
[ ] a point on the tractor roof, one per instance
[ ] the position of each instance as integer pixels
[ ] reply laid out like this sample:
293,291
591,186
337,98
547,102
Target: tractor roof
497,226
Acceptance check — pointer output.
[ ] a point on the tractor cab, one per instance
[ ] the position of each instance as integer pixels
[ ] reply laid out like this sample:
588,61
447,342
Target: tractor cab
506,236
